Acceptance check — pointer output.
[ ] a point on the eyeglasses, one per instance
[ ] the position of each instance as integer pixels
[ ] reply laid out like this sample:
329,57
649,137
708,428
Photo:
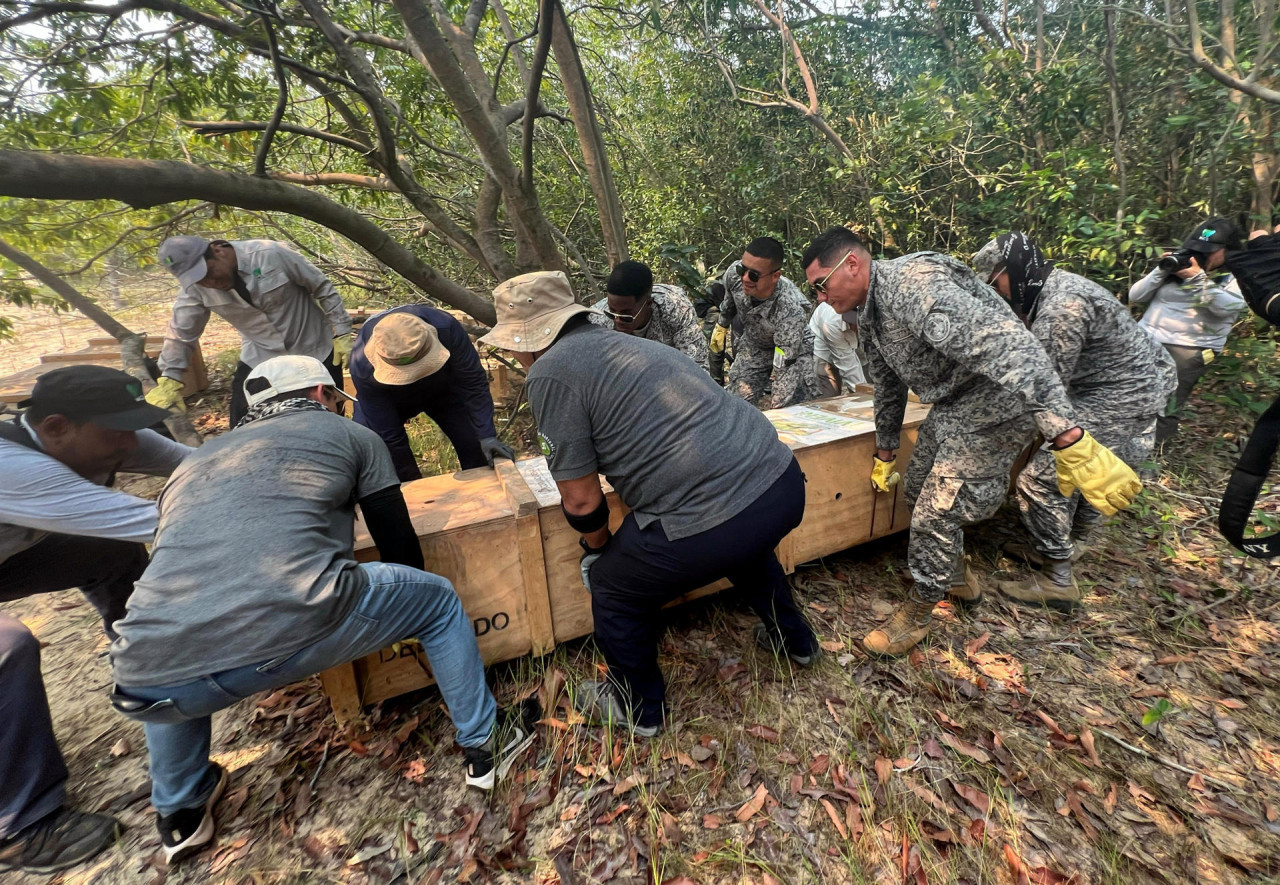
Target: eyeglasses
626,319
820,287
995,274
751,273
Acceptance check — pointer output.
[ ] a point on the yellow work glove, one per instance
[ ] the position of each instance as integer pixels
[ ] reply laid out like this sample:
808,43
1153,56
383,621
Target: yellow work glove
167,394
1105,481
342,349
883,476
718,335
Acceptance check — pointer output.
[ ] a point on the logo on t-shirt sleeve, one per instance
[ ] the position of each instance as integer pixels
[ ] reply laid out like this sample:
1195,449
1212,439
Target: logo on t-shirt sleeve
547,446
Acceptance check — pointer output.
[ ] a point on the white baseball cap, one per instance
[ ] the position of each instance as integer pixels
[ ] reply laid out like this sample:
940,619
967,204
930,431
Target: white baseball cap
286,374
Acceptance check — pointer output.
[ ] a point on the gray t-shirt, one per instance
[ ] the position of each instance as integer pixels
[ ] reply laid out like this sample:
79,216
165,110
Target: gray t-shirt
253,552
675,446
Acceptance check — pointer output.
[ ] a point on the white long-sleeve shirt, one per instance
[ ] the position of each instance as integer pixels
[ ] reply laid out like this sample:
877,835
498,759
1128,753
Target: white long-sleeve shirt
293,309
836,342
1187,313
42,495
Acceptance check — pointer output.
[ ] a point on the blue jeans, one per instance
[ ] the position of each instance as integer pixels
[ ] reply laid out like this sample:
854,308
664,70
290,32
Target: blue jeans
401,602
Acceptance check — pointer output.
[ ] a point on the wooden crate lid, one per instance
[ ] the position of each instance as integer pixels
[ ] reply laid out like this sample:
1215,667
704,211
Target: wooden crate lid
450,502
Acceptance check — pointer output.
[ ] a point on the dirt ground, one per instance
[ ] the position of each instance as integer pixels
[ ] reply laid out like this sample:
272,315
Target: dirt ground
1133,742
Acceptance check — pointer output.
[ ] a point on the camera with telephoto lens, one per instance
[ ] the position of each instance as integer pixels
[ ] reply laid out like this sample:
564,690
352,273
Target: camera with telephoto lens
1175,261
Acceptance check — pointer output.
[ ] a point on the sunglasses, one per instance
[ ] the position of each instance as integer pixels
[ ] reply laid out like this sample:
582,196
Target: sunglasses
820,287
751,274
626,319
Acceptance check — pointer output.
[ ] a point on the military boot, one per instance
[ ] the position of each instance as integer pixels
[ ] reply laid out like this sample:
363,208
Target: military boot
904,629
964,588
1027,553
1053,587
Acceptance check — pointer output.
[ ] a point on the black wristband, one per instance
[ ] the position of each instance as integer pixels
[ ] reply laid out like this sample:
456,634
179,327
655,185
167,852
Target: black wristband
590,522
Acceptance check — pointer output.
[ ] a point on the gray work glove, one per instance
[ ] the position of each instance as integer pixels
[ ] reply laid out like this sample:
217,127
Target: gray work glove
589,557
492,447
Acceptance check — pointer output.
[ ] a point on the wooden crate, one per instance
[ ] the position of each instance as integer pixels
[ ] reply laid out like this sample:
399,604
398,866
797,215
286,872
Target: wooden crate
501,538
17,387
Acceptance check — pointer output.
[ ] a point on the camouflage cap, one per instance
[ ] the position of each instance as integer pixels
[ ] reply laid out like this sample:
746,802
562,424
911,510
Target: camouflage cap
988,260
532,309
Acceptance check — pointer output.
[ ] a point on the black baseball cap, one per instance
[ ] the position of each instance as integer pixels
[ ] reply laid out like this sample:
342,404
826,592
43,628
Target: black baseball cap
95,394
1214,234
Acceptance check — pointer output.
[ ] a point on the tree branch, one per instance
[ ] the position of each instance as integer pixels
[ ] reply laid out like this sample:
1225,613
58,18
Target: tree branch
142,183
546,23
213,127
320,179
282,100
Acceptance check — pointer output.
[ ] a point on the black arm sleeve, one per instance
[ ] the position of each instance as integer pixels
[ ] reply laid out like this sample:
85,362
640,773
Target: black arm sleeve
387,517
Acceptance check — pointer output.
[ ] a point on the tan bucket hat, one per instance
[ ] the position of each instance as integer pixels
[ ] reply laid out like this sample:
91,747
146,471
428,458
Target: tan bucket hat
404,348
532,309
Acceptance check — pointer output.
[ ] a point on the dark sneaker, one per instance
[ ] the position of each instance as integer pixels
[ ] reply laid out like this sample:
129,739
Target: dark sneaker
513,732
57,841
776,645
188,830
597,701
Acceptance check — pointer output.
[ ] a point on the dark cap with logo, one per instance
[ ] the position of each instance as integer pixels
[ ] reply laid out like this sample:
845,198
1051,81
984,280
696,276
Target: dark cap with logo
95,394
1216,233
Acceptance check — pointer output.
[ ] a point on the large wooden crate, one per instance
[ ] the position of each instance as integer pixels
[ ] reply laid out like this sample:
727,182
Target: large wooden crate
501,538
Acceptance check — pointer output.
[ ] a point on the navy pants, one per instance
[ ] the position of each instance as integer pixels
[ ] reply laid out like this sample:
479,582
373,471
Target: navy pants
240,405
454,420
103,569
32,774
33,777
641,570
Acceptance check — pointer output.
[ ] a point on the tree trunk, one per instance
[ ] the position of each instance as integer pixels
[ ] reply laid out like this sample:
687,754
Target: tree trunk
131,343
578,93
144,183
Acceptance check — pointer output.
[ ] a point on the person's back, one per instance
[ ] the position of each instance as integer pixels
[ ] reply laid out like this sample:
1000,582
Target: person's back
1107,362
656,426
252,555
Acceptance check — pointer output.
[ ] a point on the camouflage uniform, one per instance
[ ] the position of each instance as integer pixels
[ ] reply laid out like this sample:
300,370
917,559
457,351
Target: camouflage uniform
780,321
1118,379
929,324
673,322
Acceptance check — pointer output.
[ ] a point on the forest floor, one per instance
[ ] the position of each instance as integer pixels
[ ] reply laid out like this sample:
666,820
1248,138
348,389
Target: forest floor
1133,742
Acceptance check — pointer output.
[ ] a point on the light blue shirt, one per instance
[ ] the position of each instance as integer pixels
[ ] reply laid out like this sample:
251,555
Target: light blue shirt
1187,313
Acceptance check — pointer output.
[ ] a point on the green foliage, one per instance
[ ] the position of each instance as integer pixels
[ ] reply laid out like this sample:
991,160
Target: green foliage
950,136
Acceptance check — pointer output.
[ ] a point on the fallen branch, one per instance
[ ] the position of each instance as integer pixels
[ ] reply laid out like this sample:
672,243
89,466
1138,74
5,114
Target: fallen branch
1163,760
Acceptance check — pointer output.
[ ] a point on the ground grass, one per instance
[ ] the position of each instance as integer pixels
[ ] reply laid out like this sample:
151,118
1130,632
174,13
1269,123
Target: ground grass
1133,742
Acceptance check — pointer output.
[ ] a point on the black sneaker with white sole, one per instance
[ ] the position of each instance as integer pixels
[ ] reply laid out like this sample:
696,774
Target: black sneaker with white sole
188,830
513,732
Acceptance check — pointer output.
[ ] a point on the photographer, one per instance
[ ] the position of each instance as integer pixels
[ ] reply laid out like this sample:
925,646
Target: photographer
1190,313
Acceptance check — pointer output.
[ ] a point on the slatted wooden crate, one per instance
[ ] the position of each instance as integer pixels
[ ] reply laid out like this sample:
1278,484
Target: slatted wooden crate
503,541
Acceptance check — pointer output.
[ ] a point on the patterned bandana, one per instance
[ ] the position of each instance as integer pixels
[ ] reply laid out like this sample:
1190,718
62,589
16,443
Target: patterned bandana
270,410
1026,267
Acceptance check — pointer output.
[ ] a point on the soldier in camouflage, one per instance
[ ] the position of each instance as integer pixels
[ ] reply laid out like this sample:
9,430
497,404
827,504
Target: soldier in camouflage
1118,380
776,340
662,313
928,324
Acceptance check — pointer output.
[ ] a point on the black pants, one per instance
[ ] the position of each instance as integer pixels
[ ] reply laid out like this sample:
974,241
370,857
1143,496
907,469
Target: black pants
640,571
454,420
104,571
239,405
33,777
1191,367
